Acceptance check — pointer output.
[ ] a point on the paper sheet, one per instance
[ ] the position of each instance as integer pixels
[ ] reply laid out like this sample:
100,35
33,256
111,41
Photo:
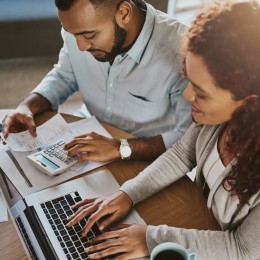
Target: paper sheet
46,133
38,179
3,208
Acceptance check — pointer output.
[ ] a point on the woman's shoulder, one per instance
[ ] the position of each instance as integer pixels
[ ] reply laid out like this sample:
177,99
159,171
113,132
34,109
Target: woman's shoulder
200,129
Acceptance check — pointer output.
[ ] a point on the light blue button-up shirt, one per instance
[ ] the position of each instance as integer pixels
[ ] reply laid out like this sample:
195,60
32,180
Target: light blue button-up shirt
141,92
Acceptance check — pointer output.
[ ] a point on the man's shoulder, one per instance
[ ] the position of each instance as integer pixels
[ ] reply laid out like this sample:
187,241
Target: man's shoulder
168,31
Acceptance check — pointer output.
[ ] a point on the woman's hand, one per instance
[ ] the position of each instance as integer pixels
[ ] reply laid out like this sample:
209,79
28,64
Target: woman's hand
128,241
115,206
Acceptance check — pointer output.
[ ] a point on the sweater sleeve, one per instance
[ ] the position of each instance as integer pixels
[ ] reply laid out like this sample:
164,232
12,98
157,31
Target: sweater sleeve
169,167
241,243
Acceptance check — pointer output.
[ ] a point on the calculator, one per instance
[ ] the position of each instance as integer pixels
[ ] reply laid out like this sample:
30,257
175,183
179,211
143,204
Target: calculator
53,159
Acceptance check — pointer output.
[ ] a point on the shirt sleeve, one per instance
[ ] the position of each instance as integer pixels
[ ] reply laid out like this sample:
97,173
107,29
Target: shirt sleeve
169,167
241,243
60,83
181,111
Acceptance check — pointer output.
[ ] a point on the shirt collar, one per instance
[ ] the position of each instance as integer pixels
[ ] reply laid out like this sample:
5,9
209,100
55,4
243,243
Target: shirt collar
137,49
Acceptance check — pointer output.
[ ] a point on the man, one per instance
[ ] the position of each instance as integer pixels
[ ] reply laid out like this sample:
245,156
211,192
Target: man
122,57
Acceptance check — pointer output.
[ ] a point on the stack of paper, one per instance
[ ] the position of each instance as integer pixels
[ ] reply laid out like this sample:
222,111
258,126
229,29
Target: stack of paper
31,179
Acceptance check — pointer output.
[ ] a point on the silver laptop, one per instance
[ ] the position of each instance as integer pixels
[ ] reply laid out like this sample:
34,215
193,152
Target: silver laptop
40,218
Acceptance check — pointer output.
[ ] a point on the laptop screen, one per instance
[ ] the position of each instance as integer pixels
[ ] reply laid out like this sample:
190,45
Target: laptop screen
11,194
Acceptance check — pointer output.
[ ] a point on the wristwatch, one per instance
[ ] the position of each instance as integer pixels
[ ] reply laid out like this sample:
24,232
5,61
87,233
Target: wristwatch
125,149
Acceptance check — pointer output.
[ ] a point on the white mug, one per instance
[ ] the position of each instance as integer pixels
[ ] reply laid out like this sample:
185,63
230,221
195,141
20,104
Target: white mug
170,248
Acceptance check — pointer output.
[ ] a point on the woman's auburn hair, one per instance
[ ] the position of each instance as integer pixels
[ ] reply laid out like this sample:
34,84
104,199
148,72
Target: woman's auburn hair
227,37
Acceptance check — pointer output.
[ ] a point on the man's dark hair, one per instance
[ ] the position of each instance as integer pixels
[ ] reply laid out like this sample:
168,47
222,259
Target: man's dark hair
64,5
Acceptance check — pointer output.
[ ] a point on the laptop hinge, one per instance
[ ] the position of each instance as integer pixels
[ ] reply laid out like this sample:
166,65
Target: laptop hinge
39,233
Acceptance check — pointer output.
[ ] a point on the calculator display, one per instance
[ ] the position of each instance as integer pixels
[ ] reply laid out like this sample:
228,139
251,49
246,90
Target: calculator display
47,162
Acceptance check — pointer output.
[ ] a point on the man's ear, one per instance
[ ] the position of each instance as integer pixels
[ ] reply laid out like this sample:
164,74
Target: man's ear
124,14
253,96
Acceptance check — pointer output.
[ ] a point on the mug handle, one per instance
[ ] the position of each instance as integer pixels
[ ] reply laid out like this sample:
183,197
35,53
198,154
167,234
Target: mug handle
191,253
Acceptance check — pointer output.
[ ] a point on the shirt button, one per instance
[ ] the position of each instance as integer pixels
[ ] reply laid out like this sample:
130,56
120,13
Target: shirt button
110,84
108,108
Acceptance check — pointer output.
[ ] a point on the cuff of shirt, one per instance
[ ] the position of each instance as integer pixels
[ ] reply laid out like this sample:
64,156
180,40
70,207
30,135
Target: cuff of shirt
170,138
45,91
156,235
127,188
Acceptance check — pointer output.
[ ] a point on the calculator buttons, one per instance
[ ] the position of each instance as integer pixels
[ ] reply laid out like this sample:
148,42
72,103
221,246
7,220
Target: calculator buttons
58,151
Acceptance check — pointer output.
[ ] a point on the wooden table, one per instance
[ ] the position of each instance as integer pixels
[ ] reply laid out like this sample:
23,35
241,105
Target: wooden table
180,205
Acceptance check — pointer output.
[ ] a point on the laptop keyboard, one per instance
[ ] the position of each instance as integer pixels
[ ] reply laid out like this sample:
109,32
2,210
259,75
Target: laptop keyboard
57,211
26,238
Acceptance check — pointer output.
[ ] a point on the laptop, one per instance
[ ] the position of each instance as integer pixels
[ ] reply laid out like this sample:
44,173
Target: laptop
40,218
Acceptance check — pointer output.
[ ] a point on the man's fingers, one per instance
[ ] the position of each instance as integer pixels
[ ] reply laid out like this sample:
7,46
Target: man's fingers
17,123
79,148
79,140
5,130
83,135
31,126
6,126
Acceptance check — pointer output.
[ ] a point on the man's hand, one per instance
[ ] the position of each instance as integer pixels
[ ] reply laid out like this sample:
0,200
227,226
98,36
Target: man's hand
19,120
129,241
93,147
114,206
22,117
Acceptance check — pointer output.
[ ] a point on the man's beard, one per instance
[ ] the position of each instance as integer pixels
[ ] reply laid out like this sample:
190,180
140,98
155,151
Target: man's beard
119,40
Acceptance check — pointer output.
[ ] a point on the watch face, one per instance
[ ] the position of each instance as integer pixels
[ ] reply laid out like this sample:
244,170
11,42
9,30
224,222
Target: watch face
125,151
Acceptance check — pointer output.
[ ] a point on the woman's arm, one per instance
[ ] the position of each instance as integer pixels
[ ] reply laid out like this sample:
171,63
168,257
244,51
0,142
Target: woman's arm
168,168
241,243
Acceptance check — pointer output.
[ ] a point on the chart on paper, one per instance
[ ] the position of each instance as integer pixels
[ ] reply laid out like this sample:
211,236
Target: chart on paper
46,133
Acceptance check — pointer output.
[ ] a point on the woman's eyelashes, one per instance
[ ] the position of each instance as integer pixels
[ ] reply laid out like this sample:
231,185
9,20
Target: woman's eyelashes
199,96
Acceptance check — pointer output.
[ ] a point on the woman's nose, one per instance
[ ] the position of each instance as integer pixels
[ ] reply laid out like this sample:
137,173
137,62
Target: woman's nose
189,93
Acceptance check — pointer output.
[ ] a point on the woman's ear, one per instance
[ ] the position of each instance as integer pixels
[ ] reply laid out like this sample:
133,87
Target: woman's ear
124,14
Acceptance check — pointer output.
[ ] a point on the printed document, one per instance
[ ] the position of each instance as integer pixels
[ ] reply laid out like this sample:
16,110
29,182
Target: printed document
39,180
46,133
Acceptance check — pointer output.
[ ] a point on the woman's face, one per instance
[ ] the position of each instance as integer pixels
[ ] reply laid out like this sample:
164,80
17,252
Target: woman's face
211,105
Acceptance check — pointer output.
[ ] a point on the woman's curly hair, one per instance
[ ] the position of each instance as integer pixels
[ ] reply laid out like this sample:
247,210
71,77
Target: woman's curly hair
227,37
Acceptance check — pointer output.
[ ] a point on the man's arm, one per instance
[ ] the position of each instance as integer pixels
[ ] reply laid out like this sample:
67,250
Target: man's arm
96,147
147,148
23,116
36,103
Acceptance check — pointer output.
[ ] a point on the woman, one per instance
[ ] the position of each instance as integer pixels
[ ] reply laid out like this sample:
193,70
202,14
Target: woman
222,62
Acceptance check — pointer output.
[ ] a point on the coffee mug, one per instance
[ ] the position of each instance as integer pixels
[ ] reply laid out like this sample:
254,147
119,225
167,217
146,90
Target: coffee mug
172,251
